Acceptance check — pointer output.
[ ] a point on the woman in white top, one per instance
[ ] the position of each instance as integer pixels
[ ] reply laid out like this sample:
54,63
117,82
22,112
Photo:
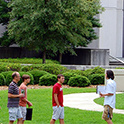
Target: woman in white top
109,101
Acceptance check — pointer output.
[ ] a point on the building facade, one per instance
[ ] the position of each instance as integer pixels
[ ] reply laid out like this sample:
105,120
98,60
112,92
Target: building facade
111,33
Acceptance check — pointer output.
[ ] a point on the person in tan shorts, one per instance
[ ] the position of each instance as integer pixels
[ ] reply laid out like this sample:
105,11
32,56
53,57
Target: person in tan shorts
109,101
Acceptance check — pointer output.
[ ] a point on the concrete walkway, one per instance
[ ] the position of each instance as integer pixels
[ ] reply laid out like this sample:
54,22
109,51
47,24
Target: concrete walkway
85,101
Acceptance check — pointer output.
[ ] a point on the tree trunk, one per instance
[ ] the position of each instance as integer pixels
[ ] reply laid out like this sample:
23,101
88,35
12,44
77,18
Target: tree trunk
60,57
44,56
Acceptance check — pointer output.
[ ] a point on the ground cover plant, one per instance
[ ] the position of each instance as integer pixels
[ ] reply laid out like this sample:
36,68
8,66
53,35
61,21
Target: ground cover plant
42,108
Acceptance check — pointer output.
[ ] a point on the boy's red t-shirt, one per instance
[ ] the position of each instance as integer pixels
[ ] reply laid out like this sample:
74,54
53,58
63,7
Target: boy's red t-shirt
57,89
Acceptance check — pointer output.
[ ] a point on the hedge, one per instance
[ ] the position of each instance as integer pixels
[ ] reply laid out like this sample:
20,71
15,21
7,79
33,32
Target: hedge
97,79
79,81
9,67
48,80
51,68
28,61
9,78
67,76
2,80
37,74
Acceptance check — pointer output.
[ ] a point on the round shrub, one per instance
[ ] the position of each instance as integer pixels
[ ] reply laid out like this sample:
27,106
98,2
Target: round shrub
78,72
31,77
4,67
9,77
48,80
87,72
96,79
67,76
54,68
6,72
98,70
37,74
2,80
79,81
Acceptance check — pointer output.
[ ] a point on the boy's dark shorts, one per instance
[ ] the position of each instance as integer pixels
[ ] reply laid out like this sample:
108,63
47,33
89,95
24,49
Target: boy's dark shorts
107,113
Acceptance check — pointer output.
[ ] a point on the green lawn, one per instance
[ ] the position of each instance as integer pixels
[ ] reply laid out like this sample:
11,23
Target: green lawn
119,101
42,109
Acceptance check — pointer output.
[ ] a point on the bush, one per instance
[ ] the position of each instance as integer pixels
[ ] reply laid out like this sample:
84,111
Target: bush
98,70
79,81
51,68
87,72
9,67
67,76
28,61
54,68
37,74
48,80
2,80
31,77
9,77
96,79
78,72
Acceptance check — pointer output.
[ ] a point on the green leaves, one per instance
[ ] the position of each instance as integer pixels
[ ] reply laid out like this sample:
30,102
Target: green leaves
54,25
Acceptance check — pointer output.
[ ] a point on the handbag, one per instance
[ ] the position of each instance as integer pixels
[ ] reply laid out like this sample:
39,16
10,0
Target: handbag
29,114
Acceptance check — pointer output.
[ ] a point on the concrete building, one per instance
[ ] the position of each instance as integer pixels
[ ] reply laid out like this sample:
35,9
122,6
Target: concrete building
111,34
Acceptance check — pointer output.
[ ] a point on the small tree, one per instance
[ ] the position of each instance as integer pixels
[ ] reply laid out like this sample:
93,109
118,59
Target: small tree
56,25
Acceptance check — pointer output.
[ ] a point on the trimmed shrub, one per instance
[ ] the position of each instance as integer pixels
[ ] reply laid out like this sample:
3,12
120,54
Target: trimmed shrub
98,70
9,67
87,72
31,77
48,80
2,80
9,77
96,79
78,72
54,68
37,74
28,61
67,76
79,81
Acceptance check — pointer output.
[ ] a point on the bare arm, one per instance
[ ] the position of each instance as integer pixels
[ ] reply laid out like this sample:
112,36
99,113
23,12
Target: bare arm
15,96
108,94
56,99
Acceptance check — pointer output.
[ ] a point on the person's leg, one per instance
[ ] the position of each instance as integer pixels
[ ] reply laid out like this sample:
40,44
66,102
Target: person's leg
11,122
12,114
19,116
61,121
109,121
52,121
19,121
61,117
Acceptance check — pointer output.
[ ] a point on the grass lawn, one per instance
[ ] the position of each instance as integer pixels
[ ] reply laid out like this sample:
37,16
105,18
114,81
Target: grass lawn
42,109
119,101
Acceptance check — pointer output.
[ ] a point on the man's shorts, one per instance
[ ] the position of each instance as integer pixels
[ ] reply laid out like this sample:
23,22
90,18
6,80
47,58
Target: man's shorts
107,113
23,111
58,113
14,113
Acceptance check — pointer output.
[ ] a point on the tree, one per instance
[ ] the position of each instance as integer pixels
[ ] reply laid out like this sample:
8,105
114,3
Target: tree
5,40
57,25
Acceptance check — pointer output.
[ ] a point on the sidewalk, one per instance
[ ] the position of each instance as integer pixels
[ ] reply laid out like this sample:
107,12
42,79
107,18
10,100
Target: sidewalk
85,101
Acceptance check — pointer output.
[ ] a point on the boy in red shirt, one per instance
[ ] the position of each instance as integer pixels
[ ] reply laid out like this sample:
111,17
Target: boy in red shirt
57,101
23,101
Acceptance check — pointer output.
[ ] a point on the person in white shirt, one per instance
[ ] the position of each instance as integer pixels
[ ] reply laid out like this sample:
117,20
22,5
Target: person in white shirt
109,101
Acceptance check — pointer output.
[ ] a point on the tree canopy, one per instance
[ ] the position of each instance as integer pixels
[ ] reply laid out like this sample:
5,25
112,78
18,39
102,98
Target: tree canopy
56,25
